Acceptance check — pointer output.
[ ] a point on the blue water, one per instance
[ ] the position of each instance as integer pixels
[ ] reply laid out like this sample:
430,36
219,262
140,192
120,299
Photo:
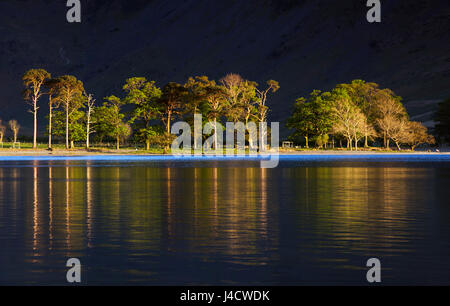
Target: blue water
291,157
159,220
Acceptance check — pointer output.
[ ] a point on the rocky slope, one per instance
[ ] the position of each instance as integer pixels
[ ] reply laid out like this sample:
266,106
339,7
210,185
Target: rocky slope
305,45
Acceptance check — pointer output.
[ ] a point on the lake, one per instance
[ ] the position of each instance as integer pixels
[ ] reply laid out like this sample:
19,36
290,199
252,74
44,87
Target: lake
313,220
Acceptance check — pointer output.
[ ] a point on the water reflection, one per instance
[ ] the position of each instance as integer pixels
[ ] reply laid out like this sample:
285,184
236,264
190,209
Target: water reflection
221,225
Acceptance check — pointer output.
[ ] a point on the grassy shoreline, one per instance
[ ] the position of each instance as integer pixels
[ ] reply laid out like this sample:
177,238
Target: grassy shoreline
128,151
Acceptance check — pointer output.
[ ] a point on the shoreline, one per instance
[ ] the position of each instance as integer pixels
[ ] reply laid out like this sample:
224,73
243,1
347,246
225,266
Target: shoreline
125,152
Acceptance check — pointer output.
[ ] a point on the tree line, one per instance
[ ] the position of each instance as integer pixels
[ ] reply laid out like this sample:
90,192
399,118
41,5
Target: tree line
144,109
356,113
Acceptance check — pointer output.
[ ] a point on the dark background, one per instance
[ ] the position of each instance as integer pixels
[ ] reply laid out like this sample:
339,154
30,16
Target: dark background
304,45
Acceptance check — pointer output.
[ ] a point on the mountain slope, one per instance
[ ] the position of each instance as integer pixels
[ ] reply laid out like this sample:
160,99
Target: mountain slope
304,45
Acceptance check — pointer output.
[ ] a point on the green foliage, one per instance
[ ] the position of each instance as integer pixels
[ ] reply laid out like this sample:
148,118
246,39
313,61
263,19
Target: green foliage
33,80
313,116
143,95
171,102
77,126
111,120
322,140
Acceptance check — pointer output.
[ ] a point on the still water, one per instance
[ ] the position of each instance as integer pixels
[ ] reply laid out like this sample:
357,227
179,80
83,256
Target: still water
312,220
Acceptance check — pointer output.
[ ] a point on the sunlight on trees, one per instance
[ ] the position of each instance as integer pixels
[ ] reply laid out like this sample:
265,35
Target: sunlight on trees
360,110
355,112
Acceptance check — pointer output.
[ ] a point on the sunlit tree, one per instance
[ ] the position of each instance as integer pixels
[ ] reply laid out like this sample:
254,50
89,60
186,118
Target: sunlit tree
390,115
171,102
70,94
34,80
143,95
114,120
15,127
52,88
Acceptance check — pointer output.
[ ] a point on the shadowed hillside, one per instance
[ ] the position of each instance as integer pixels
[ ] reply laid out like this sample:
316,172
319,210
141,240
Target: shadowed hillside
304,45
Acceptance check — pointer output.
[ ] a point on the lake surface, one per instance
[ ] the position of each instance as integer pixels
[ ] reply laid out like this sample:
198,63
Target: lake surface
190,221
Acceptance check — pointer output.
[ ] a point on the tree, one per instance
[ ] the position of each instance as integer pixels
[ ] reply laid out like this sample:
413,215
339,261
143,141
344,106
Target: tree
248,101
312,116
363,95
350,121
143,95
442,118
15,127
52,86
233,85
196,94
170,103
33,80
70,92
262,109
2,131
77,126
417,134
390,114
302,120
215,105
113,119
90,108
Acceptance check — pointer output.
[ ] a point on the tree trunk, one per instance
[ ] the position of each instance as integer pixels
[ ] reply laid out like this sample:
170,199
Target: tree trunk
15,136
387,143
356,144
306,140
72,144
215,133
88,126
35,125
147,144
398,146
50,128
67,127
366,142
169,117
118,142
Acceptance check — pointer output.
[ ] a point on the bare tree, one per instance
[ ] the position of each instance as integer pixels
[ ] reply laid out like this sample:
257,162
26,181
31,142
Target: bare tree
272,86
90,110
15,127
33,80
